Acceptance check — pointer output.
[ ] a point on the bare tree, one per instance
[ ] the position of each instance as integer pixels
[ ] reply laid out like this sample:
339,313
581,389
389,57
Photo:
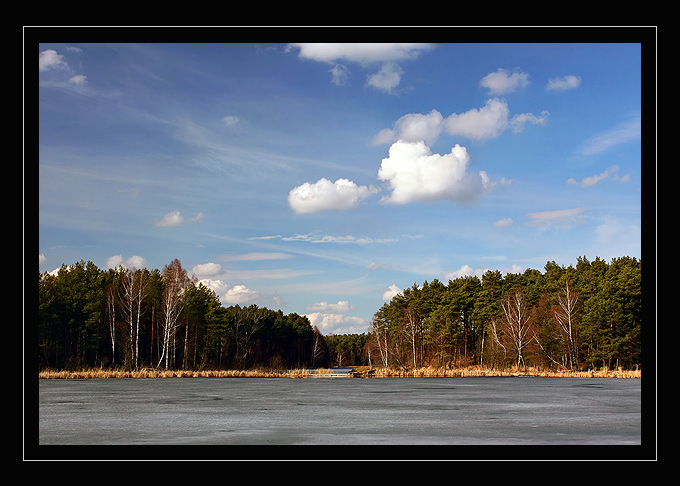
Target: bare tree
565,316
317,350
516,322
379,332
133,290
176,280
412,329
496,339
111,318
247,321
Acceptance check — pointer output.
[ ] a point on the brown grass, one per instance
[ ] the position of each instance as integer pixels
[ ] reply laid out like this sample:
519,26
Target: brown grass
303,373
528,371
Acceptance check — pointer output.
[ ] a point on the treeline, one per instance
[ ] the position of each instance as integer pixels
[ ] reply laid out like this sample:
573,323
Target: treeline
578,317
587,316
139,318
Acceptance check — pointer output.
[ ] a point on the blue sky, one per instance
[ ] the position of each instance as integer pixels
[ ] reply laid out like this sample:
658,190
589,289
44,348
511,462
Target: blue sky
320,179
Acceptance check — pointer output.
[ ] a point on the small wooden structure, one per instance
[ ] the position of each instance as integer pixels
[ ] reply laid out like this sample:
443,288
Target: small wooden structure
362,372
356,372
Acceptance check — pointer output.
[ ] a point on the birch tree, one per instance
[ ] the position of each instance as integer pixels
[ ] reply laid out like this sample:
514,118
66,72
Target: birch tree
516,322
133,290
175,280
565,315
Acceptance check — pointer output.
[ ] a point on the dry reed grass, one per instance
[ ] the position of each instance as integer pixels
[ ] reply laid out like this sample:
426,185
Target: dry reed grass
304,373
483,371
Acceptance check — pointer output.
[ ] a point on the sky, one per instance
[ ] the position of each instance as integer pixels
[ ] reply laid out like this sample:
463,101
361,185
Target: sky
322,179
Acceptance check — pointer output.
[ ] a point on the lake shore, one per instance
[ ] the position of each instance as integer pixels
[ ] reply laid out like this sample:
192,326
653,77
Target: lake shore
306,373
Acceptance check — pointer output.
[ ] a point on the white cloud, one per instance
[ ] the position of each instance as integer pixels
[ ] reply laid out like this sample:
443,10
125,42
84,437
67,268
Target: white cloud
49,59
465,271
560,217
41,258
563,84
519,121
415,127
173,218
514,268
386,54
489,121
360,52
199,216
391,292
609,173
324,307
502,223
415,174
78,80
504,81
134,261
387,78
340,75
238,294
324,195
337,323
207,269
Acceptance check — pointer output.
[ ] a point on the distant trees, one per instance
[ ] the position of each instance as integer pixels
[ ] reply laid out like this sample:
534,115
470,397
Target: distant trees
137,318
587,315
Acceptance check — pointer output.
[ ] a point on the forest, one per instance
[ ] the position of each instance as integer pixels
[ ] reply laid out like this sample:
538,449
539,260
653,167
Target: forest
578,317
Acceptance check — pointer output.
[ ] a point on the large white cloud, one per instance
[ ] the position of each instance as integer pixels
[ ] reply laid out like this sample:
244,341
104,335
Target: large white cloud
416,174
360,52
324,195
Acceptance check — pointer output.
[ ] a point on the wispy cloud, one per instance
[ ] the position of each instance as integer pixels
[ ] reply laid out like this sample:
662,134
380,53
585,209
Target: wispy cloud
560,217
320,238
609,173
256,256
625,132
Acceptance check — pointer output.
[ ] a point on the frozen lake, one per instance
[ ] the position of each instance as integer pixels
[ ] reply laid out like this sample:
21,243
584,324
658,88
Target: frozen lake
340,411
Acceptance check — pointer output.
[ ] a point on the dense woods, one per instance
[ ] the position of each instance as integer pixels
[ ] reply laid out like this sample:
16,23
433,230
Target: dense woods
586,316
140,318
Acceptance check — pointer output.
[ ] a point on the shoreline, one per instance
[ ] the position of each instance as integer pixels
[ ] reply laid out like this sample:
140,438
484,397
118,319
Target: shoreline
471,371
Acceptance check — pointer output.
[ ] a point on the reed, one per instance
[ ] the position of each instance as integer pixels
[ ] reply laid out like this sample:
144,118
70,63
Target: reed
514,371
424,372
